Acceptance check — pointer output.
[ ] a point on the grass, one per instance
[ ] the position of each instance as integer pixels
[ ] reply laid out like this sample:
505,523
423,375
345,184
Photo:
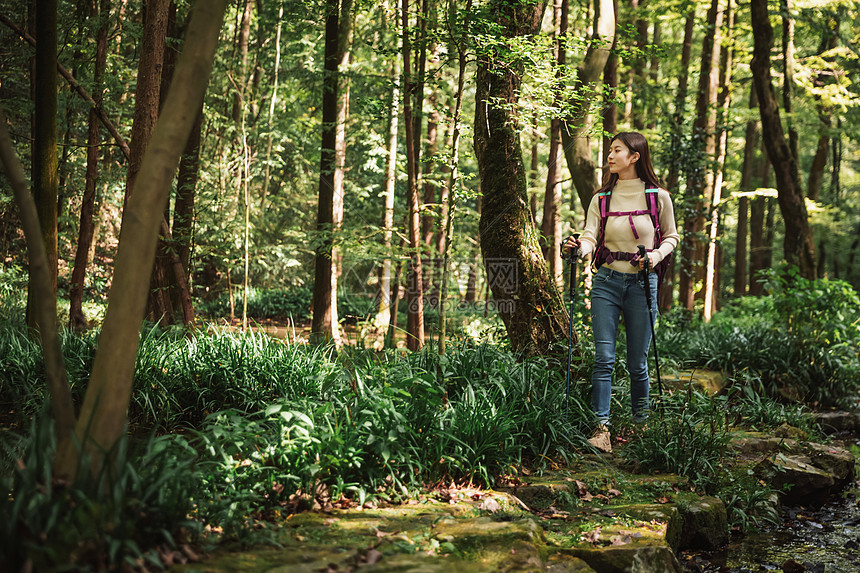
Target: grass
231,428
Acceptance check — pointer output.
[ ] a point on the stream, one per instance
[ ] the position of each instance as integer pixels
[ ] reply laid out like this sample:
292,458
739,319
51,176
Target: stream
820,539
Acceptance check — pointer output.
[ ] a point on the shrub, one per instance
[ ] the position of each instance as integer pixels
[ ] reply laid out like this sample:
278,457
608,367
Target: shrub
138,503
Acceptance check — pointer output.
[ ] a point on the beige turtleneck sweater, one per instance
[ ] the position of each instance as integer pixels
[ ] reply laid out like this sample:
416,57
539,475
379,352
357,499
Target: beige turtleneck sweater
629,195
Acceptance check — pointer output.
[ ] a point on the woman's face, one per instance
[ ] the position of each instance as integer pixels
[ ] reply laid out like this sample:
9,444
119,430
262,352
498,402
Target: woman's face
621,161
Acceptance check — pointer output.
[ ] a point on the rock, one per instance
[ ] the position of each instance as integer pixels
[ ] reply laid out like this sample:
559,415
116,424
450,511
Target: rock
482,532
710,382
837,461
792,566
809,484
630,557
665,513
835,422
706,524
786,431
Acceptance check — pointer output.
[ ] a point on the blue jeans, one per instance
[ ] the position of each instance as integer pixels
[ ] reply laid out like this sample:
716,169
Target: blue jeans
614,294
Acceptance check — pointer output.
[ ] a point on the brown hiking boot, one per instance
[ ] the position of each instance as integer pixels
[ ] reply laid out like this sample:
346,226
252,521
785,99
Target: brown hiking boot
601,439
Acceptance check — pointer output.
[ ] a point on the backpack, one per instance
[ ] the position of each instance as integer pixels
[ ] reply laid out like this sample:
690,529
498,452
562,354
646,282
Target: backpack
604,255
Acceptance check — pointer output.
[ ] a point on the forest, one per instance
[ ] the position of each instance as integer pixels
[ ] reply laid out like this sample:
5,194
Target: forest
336,226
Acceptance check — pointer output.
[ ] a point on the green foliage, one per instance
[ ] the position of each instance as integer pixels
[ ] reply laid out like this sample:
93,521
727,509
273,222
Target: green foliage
690,439
13,293
138,503
750,503
285,304
801,341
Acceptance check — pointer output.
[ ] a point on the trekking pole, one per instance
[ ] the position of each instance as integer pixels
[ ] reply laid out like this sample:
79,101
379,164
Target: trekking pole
572,259
643,254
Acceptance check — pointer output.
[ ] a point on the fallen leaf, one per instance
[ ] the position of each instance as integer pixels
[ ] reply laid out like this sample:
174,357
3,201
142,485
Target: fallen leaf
621,540
592,536
614,492
491,505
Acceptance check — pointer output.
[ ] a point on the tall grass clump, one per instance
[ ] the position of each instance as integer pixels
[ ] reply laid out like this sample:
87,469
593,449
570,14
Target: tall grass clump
802,340
121,517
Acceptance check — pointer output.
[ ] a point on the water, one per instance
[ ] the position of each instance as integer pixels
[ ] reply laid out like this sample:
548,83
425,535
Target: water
825,539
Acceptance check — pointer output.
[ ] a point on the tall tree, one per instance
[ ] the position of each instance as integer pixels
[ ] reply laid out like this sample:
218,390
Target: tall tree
330,206
551,221
414,280
724,100
798,246
77,320
700,176
577,147
44,164
103,415
527,299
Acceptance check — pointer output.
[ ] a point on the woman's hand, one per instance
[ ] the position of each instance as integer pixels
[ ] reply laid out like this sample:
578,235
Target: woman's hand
651,262
572,243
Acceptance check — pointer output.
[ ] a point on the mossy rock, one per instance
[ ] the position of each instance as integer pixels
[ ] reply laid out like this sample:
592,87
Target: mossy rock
653,558
705,521
668,514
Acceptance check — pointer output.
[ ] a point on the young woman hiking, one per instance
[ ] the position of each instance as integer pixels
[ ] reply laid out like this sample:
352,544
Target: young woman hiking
630,209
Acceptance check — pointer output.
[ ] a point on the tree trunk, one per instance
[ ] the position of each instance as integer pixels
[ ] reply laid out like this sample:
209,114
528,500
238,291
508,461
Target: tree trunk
751,144
700,177
44,162
551,221
577,148
383,313
345,27
829,41
712,272
329,212
526,297
103,415
414,281
448,202
77,320
798,245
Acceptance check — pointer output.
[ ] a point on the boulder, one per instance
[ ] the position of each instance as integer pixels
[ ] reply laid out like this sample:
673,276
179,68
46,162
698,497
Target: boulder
706,524
656,558
797,478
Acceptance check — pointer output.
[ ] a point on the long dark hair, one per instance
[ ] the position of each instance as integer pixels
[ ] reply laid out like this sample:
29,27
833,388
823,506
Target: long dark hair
636,143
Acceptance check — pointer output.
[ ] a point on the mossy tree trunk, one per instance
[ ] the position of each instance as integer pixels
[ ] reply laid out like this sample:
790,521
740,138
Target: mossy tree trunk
525,295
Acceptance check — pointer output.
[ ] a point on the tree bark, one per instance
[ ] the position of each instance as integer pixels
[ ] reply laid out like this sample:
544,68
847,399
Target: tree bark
577,148
414,280
44,161
798,245
525,295
103,415
44,300
700,177
712,271
77,320
324,324
751,144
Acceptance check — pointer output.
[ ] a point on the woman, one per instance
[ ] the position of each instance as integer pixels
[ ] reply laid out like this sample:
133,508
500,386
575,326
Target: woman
617,288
